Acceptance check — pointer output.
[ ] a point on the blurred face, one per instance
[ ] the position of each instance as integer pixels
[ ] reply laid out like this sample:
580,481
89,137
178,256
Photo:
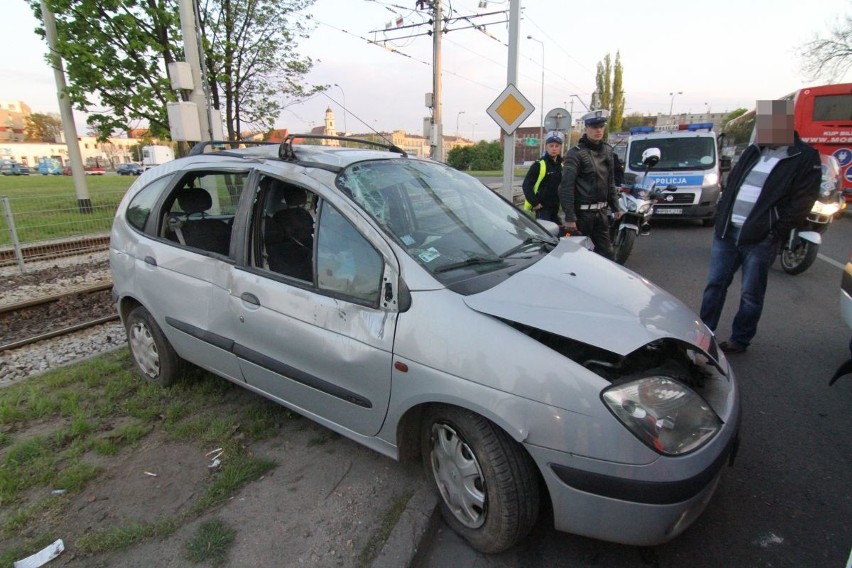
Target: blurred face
553,149
774,123
595,132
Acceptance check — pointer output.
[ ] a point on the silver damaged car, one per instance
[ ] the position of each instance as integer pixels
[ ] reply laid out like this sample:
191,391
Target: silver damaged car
403,304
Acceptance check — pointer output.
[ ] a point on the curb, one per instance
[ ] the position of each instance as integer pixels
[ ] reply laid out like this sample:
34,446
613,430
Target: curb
412,531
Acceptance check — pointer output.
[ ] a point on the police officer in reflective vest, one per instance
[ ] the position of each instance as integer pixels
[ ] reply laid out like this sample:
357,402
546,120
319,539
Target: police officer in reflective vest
588,185
541,184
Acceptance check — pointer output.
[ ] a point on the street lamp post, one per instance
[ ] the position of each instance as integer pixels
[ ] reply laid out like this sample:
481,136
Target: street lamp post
541,124
342,92
461,112
671,106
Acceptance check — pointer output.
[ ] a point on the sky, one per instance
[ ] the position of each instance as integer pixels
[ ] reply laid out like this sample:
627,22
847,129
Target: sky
716,56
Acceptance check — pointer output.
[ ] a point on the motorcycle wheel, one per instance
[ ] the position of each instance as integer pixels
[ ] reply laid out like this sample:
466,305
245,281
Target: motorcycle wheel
622,245
800,258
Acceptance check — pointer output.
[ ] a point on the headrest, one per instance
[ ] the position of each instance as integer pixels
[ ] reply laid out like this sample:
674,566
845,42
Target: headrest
294,196
283,196
194,200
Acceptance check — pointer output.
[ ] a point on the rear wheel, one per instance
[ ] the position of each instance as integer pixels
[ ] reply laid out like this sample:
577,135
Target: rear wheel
153,355
622,245
489,485
800,257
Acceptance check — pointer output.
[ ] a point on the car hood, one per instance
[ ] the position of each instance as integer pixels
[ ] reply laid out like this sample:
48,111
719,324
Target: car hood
580,295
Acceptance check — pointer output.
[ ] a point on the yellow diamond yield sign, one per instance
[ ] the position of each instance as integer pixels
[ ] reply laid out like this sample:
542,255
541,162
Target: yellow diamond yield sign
510,109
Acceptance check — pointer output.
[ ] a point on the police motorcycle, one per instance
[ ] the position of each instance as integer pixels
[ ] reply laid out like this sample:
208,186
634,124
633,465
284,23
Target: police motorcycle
636,204
800,248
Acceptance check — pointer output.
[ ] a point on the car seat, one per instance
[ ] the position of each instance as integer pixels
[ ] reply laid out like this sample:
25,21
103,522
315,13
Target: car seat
202,232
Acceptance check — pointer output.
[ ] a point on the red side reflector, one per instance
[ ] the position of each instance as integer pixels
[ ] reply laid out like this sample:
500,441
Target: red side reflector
400,366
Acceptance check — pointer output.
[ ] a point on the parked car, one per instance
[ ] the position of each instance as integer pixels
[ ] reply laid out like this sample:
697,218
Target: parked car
13,168
94,170
128,169
403,304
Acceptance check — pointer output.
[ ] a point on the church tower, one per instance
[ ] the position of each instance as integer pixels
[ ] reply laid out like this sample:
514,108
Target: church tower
329,128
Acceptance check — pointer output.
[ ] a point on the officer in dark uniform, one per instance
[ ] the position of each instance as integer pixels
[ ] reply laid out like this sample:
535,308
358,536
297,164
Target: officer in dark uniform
588,184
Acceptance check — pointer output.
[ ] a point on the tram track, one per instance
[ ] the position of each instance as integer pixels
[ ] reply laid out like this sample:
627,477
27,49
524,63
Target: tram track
26,322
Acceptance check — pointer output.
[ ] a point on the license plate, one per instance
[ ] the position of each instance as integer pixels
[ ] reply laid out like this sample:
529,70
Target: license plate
667,211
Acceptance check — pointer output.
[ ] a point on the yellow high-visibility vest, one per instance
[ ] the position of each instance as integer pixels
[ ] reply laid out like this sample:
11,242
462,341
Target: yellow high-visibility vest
542,170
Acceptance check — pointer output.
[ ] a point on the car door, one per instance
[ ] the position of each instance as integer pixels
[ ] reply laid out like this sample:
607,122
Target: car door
318,340
184,283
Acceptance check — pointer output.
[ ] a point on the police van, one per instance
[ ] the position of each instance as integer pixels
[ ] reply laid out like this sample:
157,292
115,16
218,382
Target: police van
690,166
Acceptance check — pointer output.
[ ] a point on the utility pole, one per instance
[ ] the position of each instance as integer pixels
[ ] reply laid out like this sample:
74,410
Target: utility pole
437,114
194,57
511,79
69,129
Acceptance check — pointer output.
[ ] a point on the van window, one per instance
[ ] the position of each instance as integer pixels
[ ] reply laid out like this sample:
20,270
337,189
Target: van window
682,153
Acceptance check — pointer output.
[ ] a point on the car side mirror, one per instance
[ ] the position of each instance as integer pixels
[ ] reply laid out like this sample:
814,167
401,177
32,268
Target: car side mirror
725,163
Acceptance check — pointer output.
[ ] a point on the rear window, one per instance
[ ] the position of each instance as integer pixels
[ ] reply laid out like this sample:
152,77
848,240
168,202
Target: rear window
833,108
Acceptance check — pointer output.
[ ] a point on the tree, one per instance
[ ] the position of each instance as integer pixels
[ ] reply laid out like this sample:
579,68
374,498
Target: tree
738,125
43,127
829,57
116,55
254,68
482,156
609,92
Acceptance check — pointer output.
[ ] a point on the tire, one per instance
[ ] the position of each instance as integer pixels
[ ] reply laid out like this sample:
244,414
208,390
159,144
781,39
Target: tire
153,356
622,245
708,222
800,258
489,485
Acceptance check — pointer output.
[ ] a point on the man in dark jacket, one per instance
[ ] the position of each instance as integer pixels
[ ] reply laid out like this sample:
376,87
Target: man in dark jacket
541,184
588,184
770,190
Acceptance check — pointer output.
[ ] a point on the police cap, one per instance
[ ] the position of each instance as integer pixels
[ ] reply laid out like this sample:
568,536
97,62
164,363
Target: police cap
596,117
553,137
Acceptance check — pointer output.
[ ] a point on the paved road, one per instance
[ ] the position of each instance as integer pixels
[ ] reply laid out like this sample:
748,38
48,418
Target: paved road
787,500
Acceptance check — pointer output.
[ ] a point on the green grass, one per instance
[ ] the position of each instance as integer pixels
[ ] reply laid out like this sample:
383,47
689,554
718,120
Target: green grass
55,423
47,207
210,543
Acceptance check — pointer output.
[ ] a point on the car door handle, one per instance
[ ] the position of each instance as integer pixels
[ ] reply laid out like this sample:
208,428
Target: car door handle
151,260
250,299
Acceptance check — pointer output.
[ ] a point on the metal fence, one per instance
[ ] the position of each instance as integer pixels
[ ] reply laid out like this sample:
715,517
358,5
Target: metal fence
42,227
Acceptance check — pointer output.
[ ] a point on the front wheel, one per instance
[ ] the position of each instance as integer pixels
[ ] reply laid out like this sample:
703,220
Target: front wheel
489,485
800,257
622,245
154,357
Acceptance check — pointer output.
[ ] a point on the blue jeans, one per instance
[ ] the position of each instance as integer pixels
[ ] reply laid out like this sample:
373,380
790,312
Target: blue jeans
726,257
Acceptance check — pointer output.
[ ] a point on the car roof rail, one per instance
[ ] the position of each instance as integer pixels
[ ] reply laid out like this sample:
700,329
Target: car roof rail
286,152
221,146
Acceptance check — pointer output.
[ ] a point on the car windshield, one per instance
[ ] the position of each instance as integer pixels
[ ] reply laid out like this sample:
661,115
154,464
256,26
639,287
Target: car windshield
445,219
681,153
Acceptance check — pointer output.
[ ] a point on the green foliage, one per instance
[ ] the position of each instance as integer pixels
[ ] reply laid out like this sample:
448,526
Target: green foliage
609,91
481,156
252,60
43,127
738,126
210,543
116,55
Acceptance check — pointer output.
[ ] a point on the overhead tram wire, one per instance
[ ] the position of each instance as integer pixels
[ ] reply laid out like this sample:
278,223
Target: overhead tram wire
398,52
